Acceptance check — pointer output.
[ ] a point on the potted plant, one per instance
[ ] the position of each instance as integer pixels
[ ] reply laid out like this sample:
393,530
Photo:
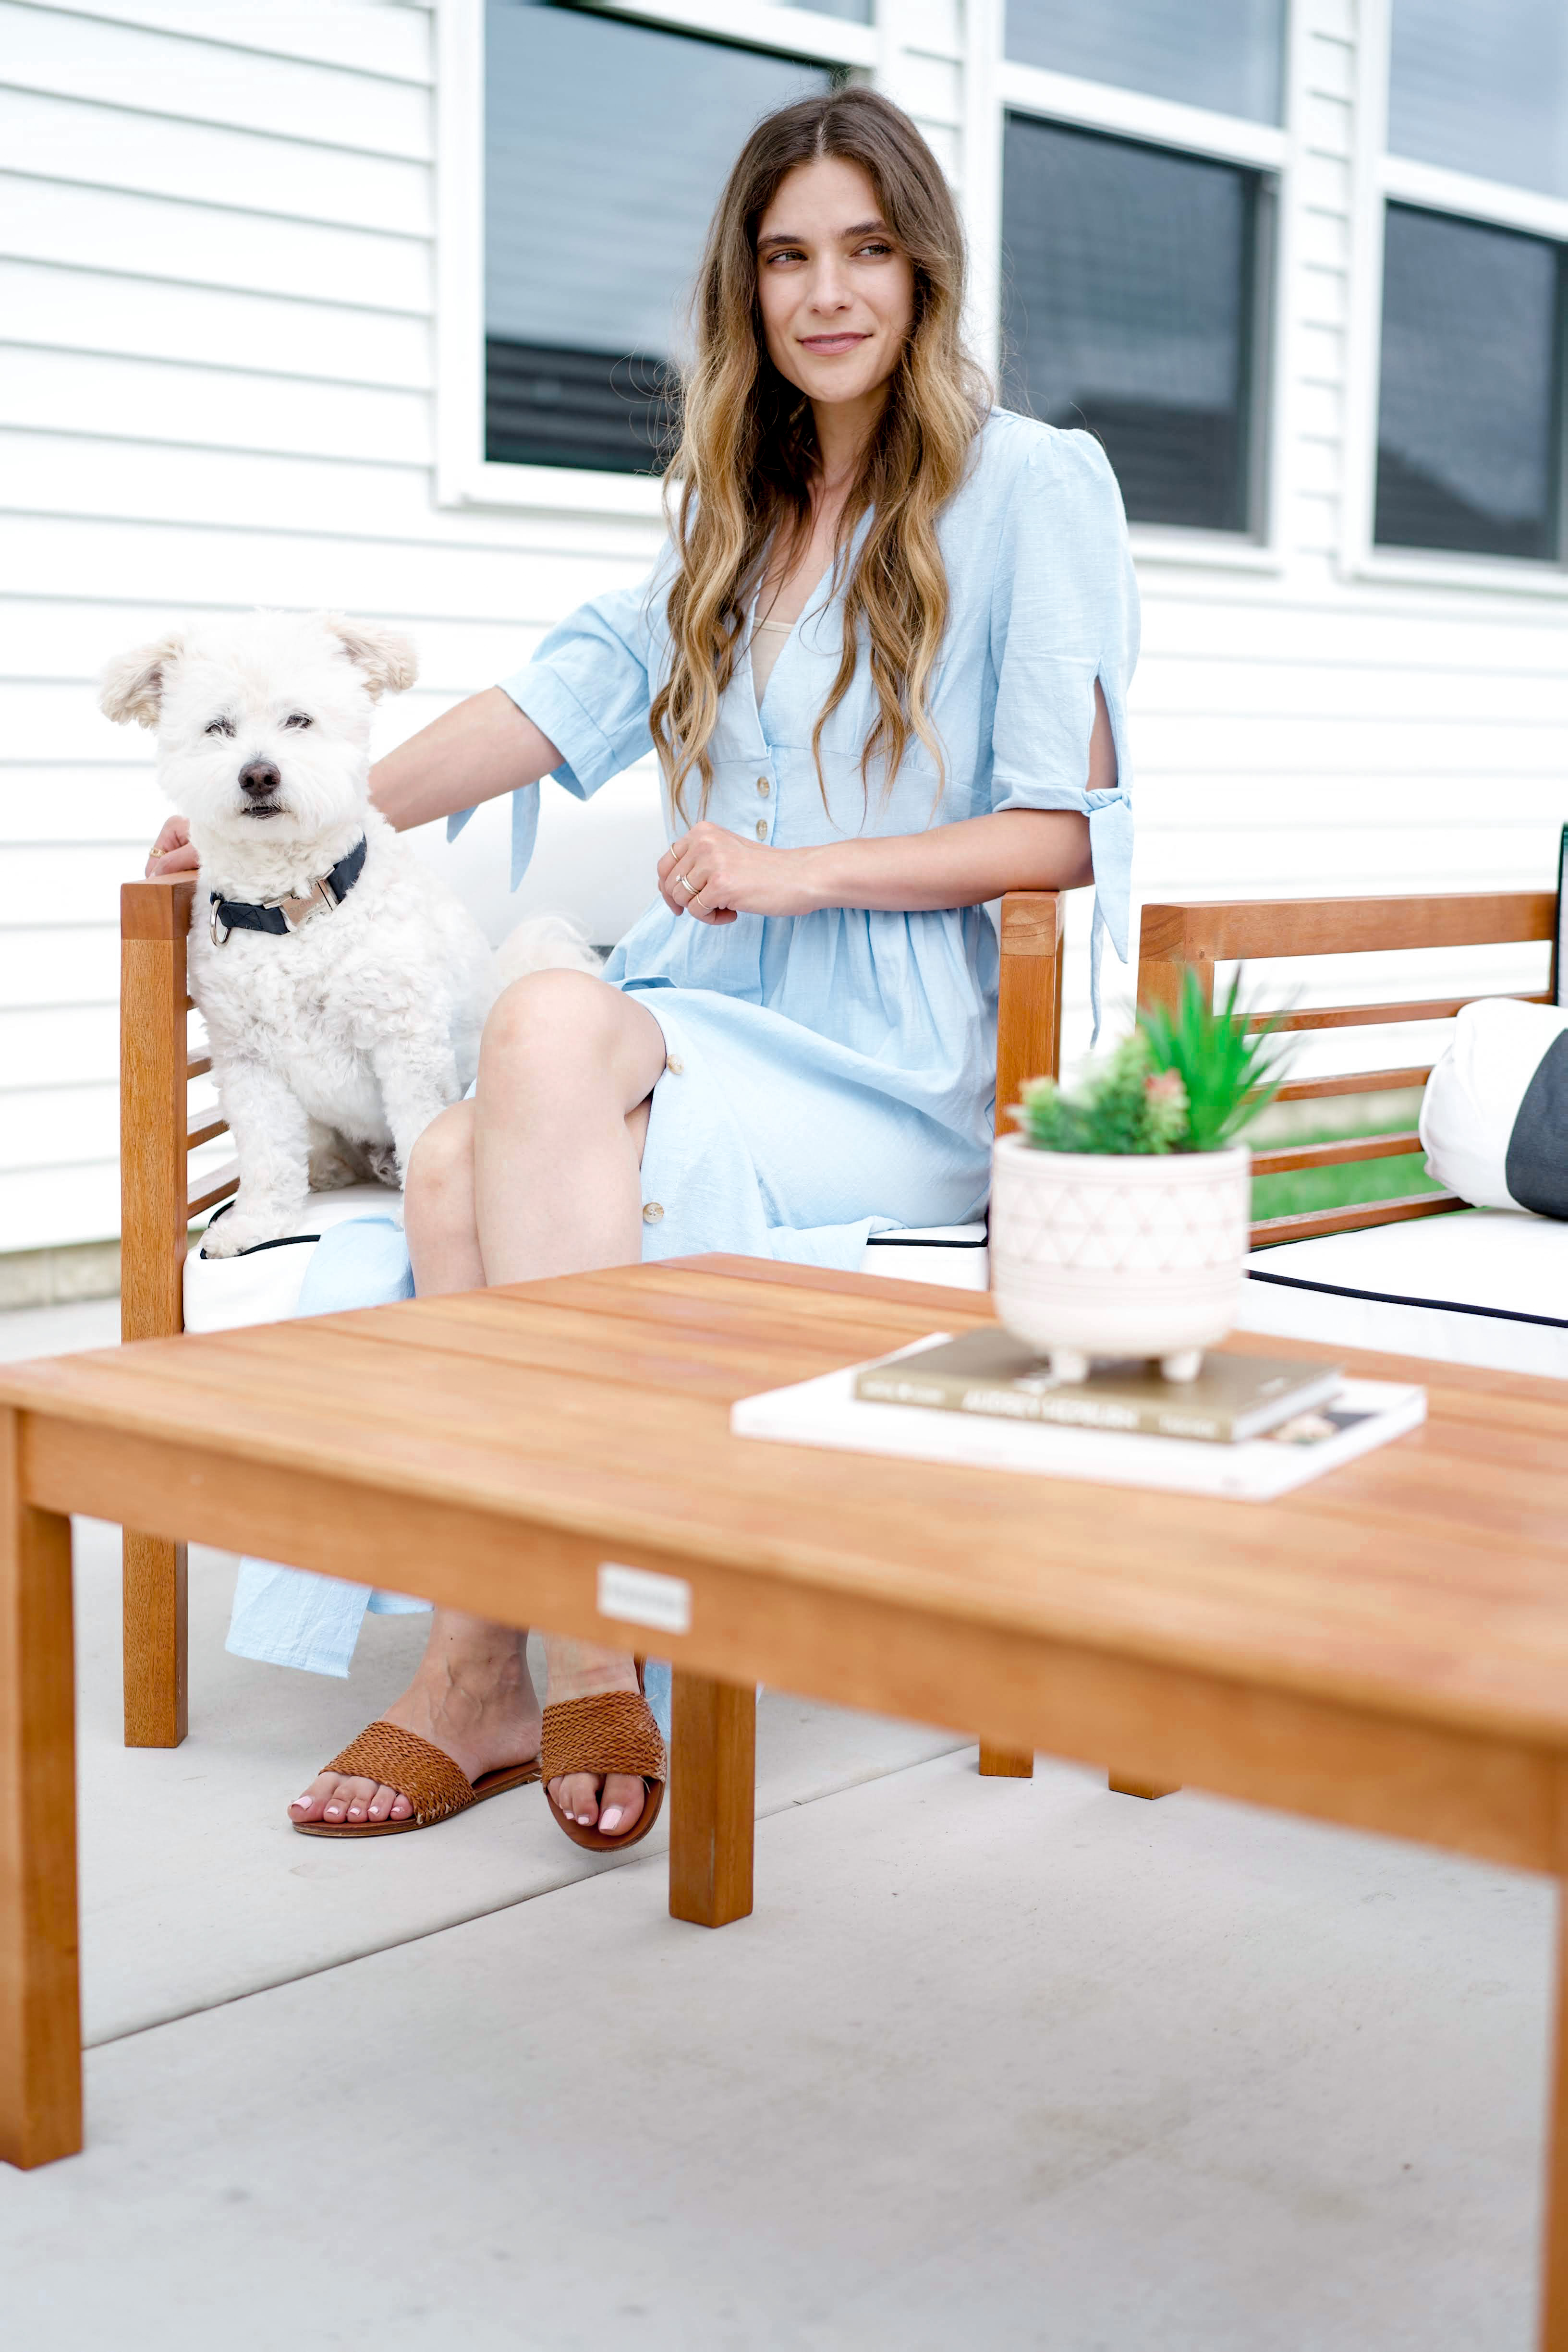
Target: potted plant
1120,1215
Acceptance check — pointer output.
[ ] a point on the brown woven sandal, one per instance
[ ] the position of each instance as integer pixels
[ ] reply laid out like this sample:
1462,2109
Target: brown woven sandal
426,1775
609,1731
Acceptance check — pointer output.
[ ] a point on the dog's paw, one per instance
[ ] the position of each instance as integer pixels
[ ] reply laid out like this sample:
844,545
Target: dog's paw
384,1167
228,1236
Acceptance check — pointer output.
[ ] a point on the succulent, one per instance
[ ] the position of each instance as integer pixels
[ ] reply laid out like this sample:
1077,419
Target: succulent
1187,1081
1231,1071
1127,1105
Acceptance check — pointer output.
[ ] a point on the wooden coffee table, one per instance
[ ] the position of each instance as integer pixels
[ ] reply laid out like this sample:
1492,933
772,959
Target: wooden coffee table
1387,1648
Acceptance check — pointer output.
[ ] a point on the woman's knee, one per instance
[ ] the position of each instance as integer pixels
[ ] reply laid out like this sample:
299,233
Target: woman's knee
550,1024
440,1171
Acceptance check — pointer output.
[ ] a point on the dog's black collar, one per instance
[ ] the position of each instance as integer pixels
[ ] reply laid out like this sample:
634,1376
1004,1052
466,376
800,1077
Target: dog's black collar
281,916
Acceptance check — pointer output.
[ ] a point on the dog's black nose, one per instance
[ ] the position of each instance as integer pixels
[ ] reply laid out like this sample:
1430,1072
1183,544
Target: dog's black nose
259,778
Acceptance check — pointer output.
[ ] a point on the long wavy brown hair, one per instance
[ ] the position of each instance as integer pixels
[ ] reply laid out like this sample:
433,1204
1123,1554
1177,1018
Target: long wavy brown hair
747,461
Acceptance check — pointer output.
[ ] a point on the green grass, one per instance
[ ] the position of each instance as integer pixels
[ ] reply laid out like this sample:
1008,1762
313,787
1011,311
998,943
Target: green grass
1303,1188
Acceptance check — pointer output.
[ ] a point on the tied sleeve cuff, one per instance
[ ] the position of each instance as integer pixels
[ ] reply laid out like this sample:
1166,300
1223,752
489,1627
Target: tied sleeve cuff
588,757
1110,849
524,829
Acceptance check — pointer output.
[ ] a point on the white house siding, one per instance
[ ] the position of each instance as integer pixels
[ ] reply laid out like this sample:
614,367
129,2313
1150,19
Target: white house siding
218,273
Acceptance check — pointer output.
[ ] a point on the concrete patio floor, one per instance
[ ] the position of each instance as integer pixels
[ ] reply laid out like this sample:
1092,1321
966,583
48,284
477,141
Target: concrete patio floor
997,2064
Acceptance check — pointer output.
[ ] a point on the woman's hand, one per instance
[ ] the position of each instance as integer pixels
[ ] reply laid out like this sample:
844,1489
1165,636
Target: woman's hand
957,864
716,875
172,851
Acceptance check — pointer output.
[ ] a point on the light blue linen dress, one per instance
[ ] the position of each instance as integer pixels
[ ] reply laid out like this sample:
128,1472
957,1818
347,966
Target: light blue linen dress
832,1075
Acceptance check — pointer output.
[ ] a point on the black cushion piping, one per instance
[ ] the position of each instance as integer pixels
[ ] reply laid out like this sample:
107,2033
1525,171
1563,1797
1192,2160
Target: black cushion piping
915,1241
1394,1299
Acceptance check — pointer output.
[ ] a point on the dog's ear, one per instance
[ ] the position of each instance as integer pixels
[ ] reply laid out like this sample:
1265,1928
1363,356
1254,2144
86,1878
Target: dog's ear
385,655
131,686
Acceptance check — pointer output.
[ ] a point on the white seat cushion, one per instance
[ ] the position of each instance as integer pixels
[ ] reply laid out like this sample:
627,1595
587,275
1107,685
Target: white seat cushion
953,1256
1472,1285
262,1284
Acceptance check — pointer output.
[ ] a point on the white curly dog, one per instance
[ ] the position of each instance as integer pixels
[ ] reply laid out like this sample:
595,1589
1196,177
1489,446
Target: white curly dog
343,986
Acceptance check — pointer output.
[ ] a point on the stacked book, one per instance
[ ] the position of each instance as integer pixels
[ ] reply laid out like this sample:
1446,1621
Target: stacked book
1249,1426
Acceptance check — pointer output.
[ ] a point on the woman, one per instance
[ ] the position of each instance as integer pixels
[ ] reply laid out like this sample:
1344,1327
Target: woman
883,662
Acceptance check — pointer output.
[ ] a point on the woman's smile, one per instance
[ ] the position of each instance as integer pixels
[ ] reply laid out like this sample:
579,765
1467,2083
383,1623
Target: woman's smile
826,345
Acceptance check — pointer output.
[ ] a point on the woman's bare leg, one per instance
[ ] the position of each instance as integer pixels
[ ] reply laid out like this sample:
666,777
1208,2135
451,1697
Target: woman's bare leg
565,1072
561,1053
473,1696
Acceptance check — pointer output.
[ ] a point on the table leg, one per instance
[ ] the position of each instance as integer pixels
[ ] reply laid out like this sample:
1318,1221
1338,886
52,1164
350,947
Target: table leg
712,1795
1006,1763
40,2015
1127,1784
155,1643
1554,2263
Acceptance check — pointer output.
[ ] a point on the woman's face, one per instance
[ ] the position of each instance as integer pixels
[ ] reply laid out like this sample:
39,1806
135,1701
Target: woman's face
837,293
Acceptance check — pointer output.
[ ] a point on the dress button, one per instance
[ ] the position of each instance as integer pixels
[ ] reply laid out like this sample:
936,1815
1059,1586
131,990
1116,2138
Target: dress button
764,786
762,828
652,1212
677,1069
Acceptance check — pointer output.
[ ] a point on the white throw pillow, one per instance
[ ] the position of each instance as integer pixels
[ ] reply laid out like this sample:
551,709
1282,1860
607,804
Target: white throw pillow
1494,1120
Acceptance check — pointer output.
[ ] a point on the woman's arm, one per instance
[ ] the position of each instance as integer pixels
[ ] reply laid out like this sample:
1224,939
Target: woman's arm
472,752
951,865
476,751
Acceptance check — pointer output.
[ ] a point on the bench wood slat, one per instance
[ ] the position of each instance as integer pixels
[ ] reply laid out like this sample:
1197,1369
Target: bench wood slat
1307,1227
226,1181
1355,1016
1361,1082
1338,1154
1247,929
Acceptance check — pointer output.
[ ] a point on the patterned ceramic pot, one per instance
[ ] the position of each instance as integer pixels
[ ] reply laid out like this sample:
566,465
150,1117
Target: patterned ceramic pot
1139,1255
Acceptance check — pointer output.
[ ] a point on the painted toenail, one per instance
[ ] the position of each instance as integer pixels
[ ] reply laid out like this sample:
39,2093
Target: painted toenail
609,1819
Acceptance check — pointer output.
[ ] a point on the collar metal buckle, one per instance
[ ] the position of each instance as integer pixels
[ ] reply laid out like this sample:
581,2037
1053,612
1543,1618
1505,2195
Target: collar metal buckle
301,904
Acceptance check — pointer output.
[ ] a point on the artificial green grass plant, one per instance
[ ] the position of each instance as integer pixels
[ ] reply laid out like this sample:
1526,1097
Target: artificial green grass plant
1190,1080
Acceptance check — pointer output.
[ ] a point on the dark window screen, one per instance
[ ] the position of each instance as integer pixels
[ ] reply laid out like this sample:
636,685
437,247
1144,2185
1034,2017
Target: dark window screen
606,144
1467,433
1128,273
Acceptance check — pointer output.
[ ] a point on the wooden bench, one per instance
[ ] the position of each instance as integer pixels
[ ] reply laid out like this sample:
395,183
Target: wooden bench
158,1201
1197,934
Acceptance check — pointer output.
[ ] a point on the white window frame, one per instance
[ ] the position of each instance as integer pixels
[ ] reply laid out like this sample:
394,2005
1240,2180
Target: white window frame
464,476
1382,179
1265,147
993,87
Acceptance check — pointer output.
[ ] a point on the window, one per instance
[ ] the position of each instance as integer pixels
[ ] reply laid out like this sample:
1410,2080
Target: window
606,145
1128,278
1467,432
1221,54
1481,86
